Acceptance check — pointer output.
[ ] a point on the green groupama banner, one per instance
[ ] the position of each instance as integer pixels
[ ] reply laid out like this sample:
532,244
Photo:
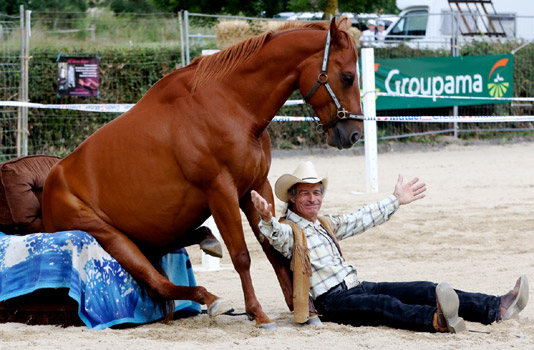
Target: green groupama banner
440,78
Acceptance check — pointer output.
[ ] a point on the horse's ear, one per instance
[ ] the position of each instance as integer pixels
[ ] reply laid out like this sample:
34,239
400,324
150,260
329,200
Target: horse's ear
335,32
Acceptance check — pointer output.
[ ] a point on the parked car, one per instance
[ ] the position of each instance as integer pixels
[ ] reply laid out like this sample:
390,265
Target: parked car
284,15
360,21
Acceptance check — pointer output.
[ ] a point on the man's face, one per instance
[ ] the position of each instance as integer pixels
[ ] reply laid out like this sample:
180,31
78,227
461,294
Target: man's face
381,28
307,201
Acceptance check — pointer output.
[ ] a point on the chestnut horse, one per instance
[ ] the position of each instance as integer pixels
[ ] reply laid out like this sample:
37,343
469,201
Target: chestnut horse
195,145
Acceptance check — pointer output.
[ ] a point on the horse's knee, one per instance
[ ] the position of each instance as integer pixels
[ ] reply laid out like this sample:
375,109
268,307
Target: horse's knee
241,261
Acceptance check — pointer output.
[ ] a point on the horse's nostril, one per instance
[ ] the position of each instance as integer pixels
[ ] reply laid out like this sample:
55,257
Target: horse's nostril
355,136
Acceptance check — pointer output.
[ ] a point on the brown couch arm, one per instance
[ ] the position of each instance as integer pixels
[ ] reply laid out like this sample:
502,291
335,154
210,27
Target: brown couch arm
21,185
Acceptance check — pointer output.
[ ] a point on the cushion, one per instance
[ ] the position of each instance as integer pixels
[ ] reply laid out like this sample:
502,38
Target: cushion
21,186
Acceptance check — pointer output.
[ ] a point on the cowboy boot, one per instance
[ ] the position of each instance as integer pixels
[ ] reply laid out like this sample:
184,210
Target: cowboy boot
446,317
513,302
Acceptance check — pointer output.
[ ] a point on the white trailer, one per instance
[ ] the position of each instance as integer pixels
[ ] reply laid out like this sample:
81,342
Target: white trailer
444,23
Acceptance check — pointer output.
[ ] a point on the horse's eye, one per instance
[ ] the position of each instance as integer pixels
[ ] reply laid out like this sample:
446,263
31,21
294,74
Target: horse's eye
348,79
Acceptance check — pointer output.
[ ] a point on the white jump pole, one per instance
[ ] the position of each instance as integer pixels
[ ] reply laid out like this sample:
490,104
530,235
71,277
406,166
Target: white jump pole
369,126
211,263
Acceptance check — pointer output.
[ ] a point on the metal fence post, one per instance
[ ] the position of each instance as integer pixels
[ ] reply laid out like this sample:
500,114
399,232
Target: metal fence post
182,53
455,53
21,83
186,26
25,130
92,29
369,111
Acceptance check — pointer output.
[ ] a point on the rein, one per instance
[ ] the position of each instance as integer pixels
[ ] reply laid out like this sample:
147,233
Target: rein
322,79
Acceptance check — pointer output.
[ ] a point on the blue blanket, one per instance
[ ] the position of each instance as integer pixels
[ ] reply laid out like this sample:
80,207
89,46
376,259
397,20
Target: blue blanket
106,294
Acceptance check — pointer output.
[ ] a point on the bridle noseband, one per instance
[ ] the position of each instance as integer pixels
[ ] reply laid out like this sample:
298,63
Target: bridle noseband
322,79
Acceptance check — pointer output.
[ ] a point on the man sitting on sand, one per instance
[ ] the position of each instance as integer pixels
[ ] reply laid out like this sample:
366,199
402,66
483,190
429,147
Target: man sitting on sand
311,242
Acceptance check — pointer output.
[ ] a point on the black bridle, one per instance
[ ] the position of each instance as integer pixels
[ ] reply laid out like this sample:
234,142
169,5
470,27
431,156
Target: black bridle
322,79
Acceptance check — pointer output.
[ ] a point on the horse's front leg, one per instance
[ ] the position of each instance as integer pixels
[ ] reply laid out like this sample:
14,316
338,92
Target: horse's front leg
278,261
224,206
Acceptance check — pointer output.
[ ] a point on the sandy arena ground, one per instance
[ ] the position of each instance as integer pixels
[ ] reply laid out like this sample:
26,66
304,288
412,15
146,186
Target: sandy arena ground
475,230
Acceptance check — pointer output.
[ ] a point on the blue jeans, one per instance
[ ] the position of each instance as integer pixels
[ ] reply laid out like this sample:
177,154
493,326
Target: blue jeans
407,305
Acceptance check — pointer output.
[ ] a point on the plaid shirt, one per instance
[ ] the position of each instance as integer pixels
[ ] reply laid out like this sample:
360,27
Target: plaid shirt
328,266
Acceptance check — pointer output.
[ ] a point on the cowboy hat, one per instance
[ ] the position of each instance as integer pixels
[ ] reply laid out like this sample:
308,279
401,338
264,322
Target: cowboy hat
304,173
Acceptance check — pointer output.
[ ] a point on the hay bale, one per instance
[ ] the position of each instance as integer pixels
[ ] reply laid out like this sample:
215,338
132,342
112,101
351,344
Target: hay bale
229,33
355,33
266,26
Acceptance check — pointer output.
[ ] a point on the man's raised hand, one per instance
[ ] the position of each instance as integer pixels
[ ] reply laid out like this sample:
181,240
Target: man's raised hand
409,192
261,205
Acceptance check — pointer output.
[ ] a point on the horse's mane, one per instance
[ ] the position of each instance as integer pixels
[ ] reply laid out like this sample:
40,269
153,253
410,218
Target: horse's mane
221,64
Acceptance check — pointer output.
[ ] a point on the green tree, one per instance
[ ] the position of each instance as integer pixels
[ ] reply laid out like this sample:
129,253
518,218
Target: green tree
331,9
271,7
306,5
355,6
211,6
11,7
132,6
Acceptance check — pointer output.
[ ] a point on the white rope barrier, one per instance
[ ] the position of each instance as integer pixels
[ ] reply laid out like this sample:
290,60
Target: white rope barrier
121,108
97,107
523,99
100,107
428,119
286,118
458,119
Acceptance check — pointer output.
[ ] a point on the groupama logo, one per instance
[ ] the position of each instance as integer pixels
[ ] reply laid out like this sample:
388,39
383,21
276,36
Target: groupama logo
436,79
496,85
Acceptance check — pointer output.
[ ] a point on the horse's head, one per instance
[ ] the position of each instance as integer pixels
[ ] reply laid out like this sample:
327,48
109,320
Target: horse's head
329,83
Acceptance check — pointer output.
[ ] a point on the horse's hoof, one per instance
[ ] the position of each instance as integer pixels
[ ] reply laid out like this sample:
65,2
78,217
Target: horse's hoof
268,326
314,321
219,307
211,246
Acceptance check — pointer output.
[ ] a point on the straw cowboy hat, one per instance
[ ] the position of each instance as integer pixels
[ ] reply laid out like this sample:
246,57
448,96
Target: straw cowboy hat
304,173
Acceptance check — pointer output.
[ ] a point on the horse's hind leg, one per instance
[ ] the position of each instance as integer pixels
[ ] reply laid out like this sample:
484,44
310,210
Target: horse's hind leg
68,212
129,256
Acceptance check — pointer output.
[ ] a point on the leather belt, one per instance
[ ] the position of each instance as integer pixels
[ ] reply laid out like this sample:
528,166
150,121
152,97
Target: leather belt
349,282
319,300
